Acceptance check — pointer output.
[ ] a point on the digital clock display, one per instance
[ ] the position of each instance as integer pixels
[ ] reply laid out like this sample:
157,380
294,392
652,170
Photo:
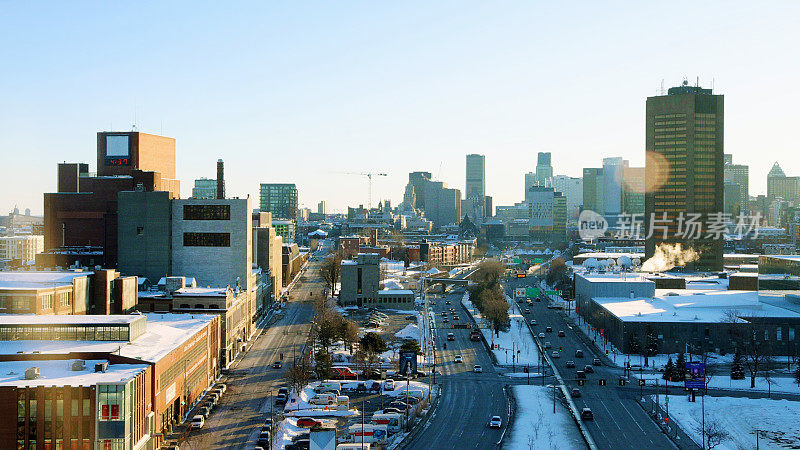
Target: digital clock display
118,161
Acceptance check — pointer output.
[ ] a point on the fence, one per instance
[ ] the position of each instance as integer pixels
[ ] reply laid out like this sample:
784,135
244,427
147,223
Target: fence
672,430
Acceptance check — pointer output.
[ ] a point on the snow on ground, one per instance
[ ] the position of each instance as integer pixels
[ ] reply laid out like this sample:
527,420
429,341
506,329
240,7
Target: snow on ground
777,417
535,425
410,331
517,338
784,385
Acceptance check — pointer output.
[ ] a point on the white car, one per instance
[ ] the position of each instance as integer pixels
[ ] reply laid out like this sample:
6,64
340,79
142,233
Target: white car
495,422
541,336
458,359
556,354
198,421
477,368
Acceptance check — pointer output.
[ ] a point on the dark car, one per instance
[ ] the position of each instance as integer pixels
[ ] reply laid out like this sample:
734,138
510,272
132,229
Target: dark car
597,362
570,364
527,311
579,353
576,392
549,329
301,444
445,320
588,369
391,410
581,375
277,364
533,322
562,334
447,302
264,439
587,414
451,337
280,399
283,390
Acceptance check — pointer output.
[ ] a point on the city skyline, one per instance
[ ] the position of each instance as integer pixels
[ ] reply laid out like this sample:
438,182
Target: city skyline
441,95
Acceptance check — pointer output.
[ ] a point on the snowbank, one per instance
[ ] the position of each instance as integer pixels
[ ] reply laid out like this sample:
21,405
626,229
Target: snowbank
777,417
535,425
517,338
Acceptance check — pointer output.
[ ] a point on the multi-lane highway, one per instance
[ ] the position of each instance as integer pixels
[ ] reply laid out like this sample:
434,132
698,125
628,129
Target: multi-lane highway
618,422
468,400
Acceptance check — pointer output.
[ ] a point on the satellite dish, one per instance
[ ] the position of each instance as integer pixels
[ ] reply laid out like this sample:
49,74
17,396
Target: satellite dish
624,262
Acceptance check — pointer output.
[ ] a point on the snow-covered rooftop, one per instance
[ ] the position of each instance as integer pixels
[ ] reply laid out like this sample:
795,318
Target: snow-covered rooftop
60,373
38,280
201,291
63,319
691,305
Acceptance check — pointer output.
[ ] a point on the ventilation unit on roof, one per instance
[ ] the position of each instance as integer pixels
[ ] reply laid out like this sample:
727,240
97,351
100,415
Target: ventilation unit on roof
101,367
78,365
31,373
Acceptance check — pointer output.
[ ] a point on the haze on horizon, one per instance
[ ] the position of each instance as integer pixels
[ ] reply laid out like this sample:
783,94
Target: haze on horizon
286,92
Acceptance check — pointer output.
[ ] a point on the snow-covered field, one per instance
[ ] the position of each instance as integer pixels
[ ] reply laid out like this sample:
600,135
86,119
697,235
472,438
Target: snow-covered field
535,425
777,417
517,338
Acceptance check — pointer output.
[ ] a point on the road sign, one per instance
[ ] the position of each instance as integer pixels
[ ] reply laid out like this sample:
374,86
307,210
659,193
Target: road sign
531,292
519,292
602,381
695,375
552,292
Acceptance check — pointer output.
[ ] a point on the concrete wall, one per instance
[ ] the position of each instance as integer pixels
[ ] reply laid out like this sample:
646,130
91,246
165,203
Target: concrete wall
144,232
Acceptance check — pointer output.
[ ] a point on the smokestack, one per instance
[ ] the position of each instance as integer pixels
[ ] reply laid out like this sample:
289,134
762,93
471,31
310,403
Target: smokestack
220,179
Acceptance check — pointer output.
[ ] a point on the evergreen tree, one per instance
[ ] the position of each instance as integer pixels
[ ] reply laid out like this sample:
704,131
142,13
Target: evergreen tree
668,369
680,368
737,367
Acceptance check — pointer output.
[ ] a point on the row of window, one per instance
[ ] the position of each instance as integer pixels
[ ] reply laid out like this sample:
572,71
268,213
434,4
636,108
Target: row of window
63,333
206,212
206,239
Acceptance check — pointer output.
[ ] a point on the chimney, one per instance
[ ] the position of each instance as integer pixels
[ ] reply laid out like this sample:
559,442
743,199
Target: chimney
220,179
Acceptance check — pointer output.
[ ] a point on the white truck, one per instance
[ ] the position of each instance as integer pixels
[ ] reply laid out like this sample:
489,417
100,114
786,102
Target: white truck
323,399
372,434
393,421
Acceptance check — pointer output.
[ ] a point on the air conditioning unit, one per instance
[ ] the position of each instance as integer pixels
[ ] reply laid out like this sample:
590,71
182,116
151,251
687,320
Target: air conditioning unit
32,373
78,365
101,367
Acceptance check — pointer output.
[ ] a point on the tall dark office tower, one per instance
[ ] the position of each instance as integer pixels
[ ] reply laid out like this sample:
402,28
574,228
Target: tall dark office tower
220,179
419,180
544,169
684,169
476,186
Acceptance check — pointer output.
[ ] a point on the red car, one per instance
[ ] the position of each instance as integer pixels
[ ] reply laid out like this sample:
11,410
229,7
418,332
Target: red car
307,422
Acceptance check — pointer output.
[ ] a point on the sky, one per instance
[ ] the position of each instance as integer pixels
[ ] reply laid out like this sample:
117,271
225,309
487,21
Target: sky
308,92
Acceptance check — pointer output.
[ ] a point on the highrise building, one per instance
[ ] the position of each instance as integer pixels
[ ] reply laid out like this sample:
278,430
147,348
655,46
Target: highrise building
280,199
781,186
739,176
684,169
322,207
572,188
544,169
476,186
442,205
204,188
530,181
613,169
419,180
633,187
593,184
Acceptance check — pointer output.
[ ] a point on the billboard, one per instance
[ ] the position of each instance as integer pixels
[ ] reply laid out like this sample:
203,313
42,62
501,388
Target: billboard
408,362
695,375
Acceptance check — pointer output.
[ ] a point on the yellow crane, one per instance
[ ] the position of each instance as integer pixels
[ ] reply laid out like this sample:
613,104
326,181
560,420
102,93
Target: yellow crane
369,176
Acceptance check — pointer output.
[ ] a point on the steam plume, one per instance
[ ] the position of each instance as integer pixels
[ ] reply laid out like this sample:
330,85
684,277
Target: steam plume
668,256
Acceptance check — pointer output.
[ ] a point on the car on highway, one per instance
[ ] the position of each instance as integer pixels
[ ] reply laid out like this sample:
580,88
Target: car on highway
527,311
579,374
562,334
451,337
447,302
495,422
588,369
549,329
570,364
198,421
455,318
445,320
277,364
548,345
457,359
576,392
556,354
477,368
542,335
281,399
597,362
587,414
307,422
533,322
579,353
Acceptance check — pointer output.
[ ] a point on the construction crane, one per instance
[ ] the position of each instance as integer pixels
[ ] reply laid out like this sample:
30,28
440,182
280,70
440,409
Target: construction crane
369,175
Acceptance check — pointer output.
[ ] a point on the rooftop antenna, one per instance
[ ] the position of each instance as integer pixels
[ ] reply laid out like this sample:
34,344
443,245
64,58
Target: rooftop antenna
662,86
697,83
712,84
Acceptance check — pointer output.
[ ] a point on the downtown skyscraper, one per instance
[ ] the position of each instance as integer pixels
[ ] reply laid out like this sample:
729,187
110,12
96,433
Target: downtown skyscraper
475,192
684,171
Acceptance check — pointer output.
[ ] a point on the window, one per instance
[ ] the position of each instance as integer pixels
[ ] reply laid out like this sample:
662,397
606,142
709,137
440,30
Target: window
47,301
110,401
778,336
206,212
206,239
791,334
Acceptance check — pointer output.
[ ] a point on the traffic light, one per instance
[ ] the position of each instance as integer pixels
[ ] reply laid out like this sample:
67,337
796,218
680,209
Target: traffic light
622,381
606,352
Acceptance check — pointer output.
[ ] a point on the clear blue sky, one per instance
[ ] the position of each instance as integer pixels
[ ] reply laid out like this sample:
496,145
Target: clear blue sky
298,91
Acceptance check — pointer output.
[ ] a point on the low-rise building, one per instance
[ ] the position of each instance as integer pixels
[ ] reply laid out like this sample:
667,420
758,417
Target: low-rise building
391,299
360,279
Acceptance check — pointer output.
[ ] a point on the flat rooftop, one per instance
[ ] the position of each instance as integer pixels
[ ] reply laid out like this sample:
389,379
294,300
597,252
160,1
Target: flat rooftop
691,305
38,280
63,319
164,333
60,373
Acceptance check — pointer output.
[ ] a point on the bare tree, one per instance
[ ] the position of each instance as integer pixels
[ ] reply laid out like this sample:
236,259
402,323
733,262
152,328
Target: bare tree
329,271
495,310
714,432
299,377
489,272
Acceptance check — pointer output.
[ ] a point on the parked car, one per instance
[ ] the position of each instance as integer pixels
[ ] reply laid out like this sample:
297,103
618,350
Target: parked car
477,368
561,333
411,317
576,392
391,410
447,302
587,414
445,320
570,364
457,359
221,387
307,422
597,362
283,390
264,439
495,422
588,369
267,424
277,364
579,353
204,411
198,421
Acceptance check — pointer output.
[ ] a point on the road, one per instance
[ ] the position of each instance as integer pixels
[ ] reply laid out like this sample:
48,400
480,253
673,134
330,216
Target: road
252,382
468,399
619,422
